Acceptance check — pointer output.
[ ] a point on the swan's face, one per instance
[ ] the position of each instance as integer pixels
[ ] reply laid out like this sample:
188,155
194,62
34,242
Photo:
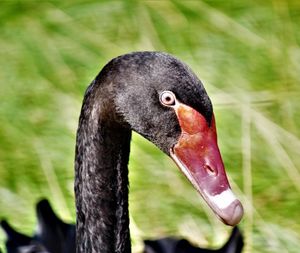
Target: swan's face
165,102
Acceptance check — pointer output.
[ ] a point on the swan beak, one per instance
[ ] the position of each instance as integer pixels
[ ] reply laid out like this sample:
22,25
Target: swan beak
197,155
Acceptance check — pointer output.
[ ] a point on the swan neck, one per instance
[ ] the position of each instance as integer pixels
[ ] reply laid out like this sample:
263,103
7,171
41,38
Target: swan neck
101,182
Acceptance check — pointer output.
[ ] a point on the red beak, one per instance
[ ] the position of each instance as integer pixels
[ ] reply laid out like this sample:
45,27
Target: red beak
198,156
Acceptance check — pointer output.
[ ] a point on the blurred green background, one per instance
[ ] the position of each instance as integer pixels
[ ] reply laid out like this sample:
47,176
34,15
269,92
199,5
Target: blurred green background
246,53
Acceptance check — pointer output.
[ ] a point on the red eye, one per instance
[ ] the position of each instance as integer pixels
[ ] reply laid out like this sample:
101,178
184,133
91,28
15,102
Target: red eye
167,98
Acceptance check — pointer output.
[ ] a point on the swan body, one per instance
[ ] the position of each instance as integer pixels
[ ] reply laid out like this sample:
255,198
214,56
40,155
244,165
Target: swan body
55,236
51,236
234,244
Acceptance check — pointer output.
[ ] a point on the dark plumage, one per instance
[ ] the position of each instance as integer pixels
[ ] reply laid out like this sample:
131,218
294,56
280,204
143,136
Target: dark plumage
14,238
55,236
52,234
174,245
19,243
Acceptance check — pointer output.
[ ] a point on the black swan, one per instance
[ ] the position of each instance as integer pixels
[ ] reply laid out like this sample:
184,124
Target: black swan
55,236
160,98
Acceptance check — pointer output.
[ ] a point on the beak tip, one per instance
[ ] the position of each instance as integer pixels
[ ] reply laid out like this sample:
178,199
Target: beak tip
237,211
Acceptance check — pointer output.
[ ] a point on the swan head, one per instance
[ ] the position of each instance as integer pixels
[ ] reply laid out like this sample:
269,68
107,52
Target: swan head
159,97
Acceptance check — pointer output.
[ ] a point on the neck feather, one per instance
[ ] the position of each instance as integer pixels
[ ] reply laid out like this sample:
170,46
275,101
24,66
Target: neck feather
101,182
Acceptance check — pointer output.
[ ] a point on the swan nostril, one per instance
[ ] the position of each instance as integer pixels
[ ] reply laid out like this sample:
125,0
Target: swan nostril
210,170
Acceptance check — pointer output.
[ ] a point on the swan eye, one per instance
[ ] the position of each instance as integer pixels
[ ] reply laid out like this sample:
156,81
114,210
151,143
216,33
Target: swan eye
167,98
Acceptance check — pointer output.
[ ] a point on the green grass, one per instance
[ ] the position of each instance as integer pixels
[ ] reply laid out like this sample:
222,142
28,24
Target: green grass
246,52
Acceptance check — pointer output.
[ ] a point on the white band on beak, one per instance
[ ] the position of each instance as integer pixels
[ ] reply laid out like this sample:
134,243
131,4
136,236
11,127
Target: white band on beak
222,200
